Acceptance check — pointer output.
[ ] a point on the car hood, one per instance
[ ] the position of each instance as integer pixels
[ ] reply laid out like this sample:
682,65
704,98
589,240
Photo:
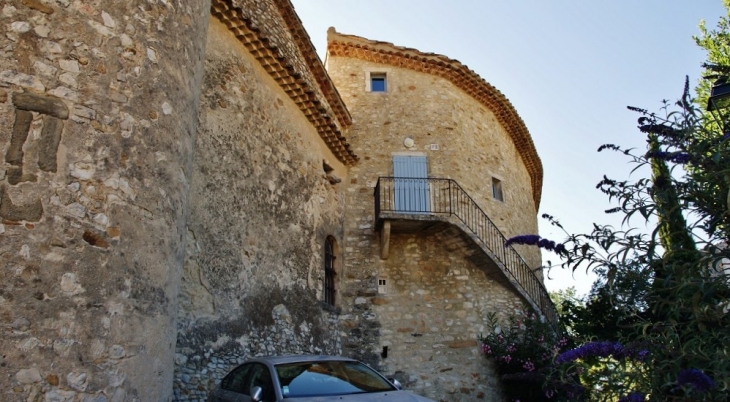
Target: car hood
392,396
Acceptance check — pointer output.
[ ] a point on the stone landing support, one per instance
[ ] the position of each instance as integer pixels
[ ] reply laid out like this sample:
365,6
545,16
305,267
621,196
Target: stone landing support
98,106
385,240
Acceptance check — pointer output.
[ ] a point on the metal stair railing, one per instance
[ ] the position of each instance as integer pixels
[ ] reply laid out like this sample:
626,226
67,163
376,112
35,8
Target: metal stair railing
445,196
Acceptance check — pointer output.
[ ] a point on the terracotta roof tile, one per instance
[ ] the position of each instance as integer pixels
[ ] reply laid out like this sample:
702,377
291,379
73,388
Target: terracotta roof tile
284,50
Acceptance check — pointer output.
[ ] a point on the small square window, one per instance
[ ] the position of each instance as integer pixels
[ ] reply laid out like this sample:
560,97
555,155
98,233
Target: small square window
497,193
378,82
382,286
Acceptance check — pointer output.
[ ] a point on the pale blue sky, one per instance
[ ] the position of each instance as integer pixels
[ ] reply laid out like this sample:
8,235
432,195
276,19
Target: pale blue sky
570,68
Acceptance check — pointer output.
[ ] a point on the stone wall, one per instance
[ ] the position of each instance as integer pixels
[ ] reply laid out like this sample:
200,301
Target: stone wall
261,208
97,123
432,310
472,146
438,299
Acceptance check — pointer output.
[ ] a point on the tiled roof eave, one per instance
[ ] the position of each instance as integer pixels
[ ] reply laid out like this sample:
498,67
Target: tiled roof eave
306,48
322,106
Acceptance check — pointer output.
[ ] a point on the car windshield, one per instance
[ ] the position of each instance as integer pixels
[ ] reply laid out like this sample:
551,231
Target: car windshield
321,378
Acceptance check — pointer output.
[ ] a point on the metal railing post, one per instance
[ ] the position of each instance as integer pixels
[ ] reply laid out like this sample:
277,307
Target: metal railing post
450,200
377,200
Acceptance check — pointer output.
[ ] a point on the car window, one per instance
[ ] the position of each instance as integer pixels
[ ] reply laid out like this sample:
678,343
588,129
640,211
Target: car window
329,378
261,377
236,380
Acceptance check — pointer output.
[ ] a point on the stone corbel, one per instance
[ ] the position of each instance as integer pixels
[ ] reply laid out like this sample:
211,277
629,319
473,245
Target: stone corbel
329,173
333,179
385,240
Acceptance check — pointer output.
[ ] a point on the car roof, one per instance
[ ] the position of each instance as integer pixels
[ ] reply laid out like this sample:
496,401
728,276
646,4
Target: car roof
299,358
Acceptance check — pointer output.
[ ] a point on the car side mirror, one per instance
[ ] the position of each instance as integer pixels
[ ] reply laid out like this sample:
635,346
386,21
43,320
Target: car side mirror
256,393
396,383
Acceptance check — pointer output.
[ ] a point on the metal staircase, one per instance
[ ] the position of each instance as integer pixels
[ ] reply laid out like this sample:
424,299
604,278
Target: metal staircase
421,203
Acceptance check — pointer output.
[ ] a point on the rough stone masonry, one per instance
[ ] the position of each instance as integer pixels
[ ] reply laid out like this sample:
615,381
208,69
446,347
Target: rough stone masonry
98,106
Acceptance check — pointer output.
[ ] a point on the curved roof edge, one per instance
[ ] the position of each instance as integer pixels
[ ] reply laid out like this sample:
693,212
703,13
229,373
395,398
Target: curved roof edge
458,74
273,33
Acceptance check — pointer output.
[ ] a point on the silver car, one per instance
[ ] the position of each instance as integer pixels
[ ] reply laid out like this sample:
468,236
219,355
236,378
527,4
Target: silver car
308,378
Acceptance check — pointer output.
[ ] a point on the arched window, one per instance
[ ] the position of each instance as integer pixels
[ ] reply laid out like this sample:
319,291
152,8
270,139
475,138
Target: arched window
330,271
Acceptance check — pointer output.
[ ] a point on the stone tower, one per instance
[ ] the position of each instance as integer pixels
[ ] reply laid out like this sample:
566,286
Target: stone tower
447,171
98,103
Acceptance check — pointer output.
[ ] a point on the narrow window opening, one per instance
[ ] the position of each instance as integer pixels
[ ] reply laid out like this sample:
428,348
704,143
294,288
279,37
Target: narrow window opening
497,189
378,82
330,272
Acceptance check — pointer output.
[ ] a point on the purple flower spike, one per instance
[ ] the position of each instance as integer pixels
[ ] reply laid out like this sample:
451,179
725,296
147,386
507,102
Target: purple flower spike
531,240
696,379
676,157
592,349
535,240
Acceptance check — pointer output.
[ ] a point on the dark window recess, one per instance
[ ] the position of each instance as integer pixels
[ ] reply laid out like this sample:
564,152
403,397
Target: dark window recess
497,189
329,271
378,82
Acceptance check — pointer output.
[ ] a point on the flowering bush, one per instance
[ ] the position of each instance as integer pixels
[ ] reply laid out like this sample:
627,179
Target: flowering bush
667,286
664,286
523,351
607,371
535,363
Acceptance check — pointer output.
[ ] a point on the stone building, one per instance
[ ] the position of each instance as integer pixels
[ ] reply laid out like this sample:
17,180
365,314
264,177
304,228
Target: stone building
427,268
184,185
